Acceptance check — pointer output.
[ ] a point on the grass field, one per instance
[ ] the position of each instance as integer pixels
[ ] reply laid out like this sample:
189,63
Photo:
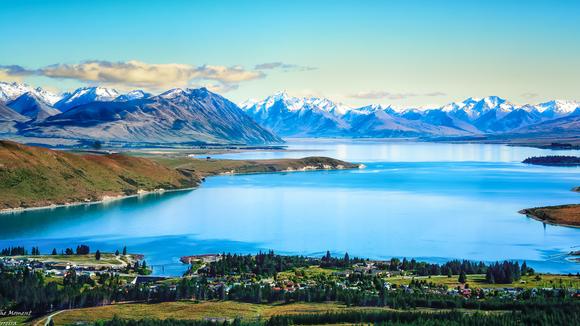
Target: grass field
207,167
86,260
33,176
192,311
568,215
476,280
544,281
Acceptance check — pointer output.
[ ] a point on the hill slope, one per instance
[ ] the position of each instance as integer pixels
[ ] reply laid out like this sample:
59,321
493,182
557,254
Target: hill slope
34,176
9,119
32,106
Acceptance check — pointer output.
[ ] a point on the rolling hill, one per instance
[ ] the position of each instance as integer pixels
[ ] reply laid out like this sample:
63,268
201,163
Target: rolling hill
34,176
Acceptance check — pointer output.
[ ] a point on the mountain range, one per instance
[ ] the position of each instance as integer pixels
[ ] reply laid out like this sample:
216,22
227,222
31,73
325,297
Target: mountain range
314,117
198,115
97,113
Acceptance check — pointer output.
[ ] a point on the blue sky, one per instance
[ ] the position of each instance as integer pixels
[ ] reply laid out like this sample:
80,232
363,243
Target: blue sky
407,53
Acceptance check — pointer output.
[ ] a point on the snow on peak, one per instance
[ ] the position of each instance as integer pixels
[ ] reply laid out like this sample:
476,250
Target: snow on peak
493,101
133,95
93,93
369,109
11,91
86,95
558,106
289,103
174,92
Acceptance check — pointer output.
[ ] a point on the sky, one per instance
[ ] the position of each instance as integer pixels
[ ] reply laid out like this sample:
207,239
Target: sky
405,53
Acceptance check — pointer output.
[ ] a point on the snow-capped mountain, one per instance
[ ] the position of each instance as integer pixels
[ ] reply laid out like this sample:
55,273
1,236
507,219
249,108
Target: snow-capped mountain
10,91
290,117
32,106
182,115
295,104
557,108
85,95
133,95
473,109
176,116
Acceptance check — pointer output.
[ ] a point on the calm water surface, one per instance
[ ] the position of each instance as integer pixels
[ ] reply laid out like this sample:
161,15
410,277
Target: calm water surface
423,200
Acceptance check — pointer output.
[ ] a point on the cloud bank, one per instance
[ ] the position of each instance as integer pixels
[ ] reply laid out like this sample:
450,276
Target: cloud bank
283,66
139,74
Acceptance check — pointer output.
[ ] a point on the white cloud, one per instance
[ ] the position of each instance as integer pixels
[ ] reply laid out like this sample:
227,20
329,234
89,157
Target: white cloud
142,75
530,95
283,66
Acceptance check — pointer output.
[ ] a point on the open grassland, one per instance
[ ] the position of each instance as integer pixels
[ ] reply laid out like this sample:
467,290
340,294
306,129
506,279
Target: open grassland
566,215
474,280
197,311
33,176
207,167
84,260
478,281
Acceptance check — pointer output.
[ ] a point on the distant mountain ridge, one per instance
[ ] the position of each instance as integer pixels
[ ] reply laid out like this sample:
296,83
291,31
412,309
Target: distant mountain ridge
97,113
189,115
295,117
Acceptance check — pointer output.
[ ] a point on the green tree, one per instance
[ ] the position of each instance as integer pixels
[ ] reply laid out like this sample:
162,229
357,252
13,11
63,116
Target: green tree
54,251
98,255
524,271
117,252
124,251
462,277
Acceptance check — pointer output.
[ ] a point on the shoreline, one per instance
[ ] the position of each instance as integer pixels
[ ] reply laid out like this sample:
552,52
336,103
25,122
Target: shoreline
529,214
545,218
108,199
105,199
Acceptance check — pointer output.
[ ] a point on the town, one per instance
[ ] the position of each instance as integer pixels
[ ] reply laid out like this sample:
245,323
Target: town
78,279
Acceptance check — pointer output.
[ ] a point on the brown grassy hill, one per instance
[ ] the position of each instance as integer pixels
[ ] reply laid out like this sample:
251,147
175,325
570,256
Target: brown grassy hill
34,176
568,215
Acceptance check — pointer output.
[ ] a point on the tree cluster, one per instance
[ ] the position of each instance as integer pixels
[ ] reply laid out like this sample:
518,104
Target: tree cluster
14,251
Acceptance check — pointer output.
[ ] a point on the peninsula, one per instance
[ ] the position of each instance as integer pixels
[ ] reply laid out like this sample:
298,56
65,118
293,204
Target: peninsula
563,215
553,160
35,177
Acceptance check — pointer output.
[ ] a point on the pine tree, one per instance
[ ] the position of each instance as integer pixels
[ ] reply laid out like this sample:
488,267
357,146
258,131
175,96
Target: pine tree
98,255
462,277
54,251
117,252
124,251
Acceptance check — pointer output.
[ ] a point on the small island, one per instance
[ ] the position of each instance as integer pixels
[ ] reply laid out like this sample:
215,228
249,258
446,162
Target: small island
553,160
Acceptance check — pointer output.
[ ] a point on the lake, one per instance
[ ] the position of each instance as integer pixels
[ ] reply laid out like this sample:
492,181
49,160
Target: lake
429,201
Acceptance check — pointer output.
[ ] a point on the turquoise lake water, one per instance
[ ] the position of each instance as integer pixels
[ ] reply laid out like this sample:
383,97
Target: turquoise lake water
424,200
